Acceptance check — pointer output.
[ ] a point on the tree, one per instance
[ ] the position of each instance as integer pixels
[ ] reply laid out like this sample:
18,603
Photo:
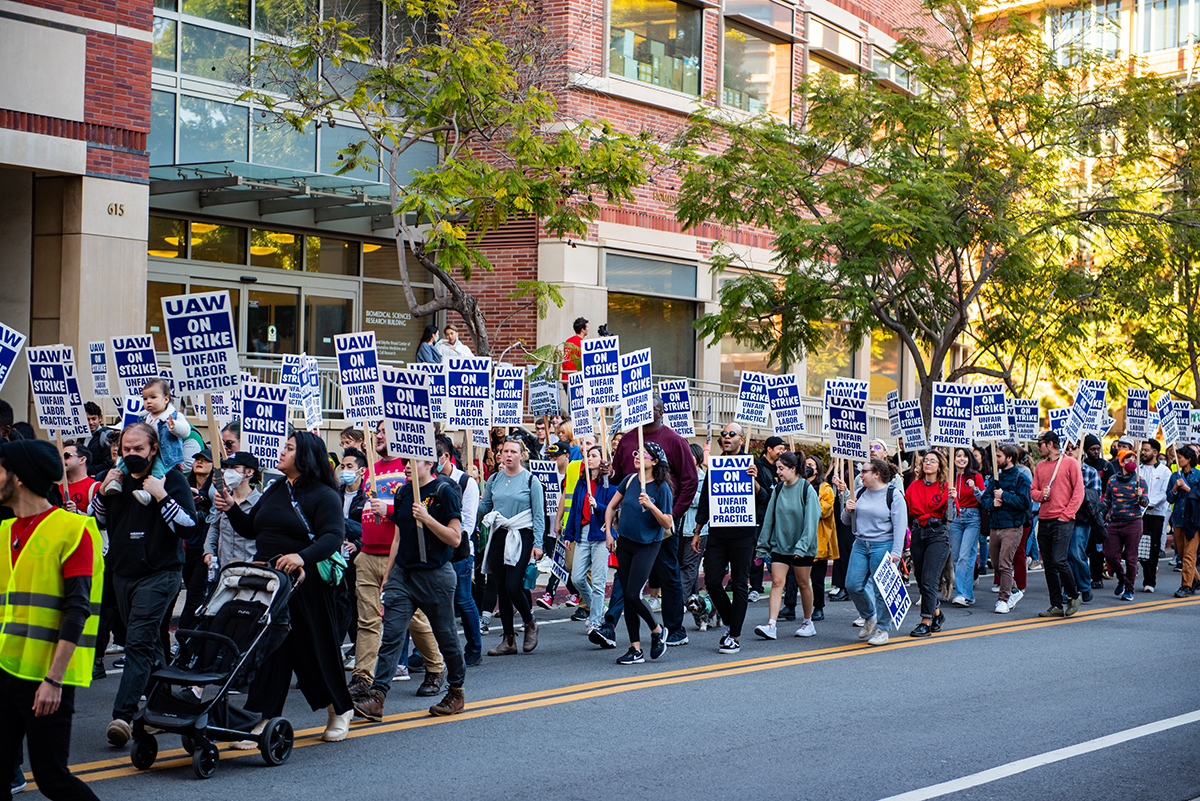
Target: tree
478,80
921,213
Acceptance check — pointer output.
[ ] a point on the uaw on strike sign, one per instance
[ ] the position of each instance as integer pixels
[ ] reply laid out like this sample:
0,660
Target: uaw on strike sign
200,338
731,491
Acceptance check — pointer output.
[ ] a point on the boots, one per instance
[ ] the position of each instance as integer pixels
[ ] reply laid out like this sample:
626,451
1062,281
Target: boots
452,704
338,726
530,636
508,645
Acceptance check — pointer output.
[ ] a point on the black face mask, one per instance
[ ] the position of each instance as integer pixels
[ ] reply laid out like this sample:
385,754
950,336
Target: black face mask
135,463
808,471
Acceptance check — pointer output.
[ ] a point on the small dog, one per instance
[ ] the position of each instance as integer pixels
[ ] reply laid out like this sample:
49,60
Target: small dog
703,611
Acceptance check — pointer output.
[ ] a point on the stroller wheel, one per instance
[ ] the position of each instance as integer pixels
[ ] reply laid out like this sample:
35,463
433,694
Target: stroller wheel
276,742
145,751
189,744
204,761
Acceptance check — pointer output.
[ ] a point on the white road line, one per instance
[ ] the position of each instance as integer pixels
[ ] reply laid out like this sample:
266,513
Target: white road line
1048,758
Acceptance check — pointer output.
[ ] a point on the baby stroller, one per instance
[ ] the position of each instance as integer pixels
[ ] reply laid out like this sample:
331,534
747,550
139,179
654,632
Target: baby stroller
232,638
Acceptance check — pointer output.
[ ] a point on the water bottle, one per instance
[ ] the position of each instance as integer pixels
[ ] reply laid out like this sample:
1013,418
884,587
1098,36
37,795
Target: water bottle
212,571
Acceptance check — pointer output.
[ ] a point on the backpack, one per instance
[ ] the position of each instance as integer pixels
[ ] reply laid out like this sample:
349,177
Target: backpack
891,494
1091,511
463,549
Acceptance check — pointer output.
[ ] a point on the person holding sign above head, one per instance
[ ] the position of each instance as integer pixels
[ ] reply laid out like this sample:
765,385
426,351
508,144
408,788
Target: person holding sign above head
964,527
172,429
1058,486
878,516
789,535
639,537
1184,482
1008,497
928,497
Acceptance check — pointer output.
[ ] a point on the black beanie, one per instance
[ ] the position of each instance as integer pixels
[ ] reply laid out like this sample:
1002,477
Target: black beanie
34,461
1090,440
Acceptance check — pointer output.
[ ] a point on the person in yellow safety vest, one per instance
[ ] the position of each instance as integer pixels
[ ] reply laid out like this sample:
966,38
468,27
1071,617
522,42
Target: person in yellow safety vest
51,573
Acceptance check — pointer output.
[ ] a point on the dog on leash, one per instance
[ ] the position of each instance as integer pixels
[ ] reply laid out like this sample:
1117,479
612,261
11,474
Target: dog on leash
703,611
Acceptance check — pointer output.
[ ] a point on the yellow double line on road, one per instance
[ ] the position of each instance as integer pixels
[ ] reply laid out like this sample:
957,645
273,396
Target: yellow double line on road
120,766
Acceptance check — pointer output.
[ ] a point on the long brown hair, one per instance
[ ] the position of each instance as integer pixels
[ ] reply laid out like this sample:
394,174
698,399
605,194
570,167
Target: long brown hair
943,471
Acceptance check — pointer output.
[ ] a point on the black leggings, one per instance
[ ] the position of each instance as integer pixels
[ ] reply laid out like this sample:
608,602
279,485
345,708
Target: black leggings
510,581
930,548
635,560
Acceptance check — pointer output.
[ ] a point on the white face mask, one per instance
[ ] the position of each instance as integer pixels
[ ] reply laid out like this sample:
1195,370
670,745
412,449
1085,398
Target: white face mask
232,478
348,477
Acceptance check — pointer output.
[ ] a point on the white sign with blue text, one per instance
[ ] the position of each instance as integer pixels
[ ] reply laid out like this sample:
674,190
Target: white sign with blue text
847,403
637,390
438,401
74,397
783,395
134,359
891,588
132,410
951,411
1057,418
201,339
48,382
358,374
989,413
1168,419
893,410
469,390
581,413
1137,414
601,359
677,406
753,405
408,414
264,420
912,424
730,491
98,367
1023,418
10,347
546,471
508,395
291,377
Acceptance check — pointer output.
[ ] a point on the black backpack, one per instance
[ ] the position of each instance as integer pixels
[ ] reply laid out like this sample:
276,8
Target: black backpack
1091,511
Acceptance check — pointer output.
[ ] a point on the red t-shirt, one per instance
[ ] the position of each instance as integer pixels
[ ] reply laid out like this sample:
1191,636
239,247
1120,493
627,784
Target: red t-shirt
79,563
389,478
81,493
966,496
926,501
572,349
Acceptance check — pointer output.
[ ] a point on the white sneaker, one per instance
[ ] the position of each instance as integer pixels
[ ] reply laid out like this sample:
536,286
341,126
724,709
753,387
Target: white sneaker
807,629
753,597
112,487
1149,588
995,588
655,604
880,637
1001,608
143,497
1013,598
858,622
729,645
960,600
767,632
869,628
401,673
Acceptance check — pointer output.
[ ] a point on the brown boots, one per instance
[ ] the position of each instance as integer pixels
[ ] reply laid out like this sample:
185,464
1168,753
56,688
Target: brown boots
508,645
530,636
452,704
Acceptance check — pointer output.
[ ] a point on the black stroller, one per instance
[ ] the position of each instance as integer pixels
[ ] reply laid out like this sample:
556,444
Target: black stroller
237,630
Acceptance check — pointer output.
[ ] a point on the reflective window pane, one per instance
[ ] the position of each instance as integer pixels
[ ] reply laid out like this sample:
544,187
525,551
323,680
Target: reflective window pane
167,238
385,311
657,42
736,357
633,274
221,243
657,323
367,16
162,128
212,131
284,146
231,12
776,15
281,17
274,249
330,256
335,139
164,44
272,319
206,53
758,73
169,5
155,292
323,319
885,365
833,360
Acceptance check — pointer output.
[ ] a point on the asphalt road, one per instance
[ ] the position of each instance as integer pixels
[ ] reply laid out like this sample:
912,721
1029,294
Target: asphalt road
824,718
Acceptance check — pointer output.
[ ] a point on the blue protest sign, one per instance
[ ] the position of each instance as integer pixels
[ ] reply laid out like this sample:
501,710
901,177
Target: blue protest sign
358,375
891,588
508,395
1168,419
581,413
264,421
438,401
310,393
132,410
10,347
912,424
201,339
134,359
989,413
1058,422
783,395
730,491
291,376
408,414
951,415
831,384
48,382
558,560
752,403
1137,413
893,410
74,397
1024,418
1089,411
847,402
637,389
98,367
677,406
469,390
601,371
546,472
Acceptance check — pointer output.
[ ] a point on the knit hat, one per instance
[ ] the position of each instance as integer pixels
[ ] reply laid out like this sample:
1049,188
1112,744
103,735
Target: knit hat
1090,440
34,461
1123,454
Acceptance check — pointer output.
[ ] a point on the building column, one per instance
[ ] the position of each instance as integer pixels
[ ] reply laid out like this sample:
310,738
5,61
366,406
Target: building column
16,268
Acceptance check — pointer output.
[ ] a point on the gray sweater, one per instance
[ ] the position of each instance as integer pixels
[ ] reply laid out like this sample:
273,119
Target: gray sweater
511,495
872,521
225,543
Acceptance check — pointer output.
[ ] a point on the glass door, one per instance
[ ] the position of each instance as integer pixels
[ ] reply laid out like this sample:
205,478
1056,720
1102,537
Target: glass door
272,320
326,314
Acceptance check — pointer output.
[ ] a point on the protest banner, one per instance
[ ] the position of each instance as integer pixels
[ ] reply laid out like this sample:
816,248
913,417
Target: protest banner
581,413
544,400
893,410
358,375
48,383
752,402
601,371
989,413
291,376
1168,419
1193,424
202,341
950,414
677,406
891,588
558,560
1088,411
508,395
168,375
132,410
469,392
857,387
847,402
408,414
1058,422
10,347
264,421
98,367
1154,424
1137,414
783,395
730,491
637,398
74,398
438,400
134,360
1024,417
546,472
912,424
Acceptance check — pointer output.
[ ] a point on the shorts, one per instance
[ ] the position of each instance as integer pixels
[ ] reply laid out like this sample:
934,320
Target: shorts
794,561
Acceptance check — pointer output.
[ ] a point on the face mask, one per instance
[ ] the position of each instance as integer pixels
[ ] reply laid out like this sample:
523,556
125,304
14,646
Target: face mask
1130,467
808,471
135,463
348,476
232,478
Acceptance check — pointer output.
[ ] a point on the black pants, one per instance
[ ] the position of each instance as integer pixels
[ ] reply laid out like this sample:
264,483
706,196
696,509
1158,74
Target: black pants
1054,541
195,585
431,591
845,539
145,604
1152,525
1095,552
49,740
510,581
635,560
111,623
930,549
347,605
732,555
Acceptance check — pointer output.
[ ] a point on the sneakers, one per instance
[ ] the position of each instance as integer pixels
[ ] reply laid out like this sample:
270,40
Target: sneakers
658,643
995,588
655,604
677,637
1086,595
119,663
112,487
1013,597
1053,611
370,706
868,627
858,622
18,783
753,597
632,657
1127,595
787,613
922,630
879,637
1148,588
98,671
401,673
579,614
485,620
1097,584
452,704
960,600
119,731
807,629
817,615
1002,608
729,645
1073,605
1182,592
767,632
432,684
572,600
1120,590
604,636
545,600
143,497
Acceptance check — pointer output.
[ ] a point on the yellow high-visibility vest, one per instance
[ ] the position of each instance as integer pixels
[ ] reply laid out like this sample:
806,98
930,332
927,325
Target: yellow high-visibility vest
31,612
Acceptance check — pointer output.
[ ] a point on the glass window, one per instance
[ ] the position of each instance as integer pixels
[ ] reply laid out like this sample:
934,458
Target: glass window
834,360
231,12
657,42
281,17
212,131
420,156
162,128
169,5
206,53
385,311
167,238
885,68
324,318
657,323
776,15
1167,24
272,319
283,146
274,249
367,16
155,292
758,72
736,357
331,256
235,295
379,261
164,44
834,40
339,138
885,365
220,243
817,66
632,274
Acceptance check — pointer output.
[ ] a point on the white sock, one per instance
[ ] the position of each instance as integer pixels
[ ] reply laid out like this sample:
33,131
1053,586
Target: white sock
770,622
807,621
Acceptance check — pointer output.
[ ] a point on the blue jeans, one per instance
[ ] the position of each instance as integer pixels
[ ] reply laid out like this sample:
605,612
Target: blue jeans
964,549
1077,557
1031,547
865,558
593,557
464,605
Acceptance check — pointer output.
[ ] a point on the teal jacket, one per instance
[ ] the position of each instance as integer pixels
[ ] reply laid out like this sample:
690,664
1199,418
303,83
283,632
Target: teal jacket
790,523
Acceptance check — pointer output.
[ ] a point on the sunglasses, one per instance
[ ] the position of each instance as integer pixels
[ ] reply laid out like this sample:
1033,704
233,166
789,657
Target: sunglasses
229,443
729,434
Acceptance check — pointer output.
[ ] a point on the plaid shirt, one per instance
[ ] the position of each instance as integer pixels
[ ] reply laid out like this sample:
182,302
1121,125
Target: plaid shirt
1091,479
